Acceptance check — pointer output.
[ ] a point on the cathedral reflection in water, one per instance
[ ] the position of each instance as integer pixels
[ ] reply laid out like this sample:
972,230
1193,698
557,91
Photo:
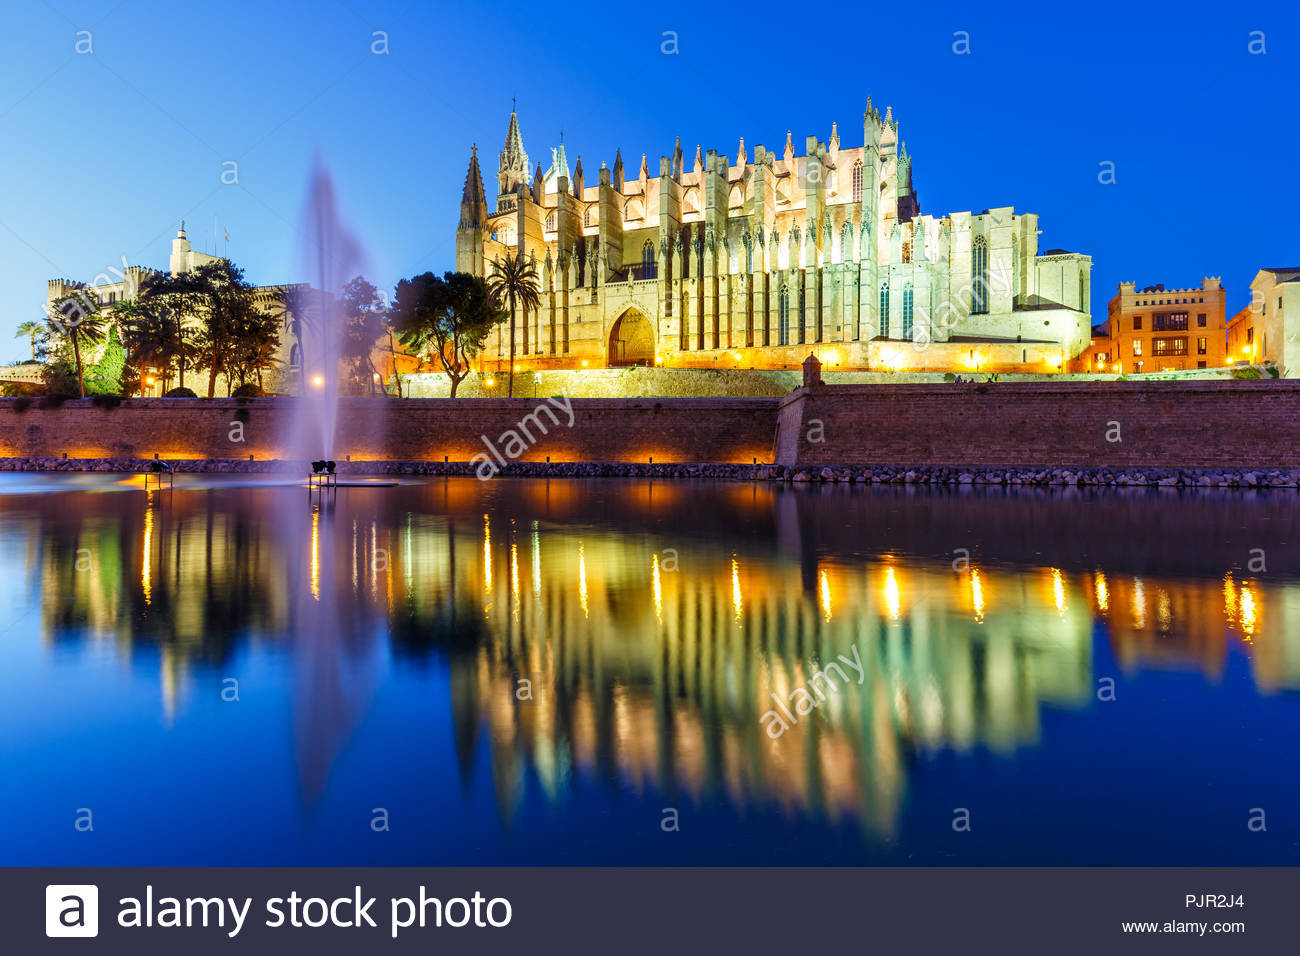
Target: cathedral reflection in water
637,632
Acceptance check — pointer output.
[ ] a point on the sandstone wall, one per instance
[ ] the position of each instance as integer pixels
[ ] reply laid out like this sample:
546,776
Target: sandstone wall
720,430
1252,424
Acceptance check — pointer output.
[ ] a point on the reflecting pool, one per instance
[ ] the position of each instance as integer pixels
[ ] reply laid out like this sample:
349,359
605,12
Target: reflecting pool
634,672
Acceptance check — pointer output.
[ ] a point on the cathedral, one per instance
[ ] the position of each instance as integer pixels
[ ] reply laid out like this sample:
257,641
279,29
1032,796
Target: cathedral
758,260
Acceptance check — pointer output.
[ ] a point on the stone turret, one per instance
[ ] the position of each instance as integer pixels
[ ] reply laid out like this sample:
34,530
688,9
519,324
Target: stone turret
473,220
512,169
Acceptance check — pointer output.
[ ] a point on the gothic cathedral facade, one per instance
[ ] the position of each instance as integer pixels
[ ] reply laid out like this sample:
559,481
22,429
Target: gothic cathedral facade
759,261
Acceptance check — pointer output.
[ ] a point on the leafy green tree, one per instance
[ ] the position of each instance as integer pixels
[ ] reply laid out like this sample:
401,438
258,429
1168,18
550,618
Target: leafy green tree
33,331
105,376
449,317
514,280
77,320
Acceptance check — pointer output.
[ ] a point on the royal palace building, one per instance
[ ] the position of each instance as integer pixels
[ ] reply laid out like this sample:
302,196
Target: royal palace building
754,261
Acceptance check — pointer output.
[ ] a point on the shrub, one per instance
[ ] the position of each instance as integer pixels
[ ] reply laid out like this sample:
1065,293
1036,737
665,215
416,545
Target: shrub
949,377
1246,372
247,390
21,404
54,400
106,402
180,392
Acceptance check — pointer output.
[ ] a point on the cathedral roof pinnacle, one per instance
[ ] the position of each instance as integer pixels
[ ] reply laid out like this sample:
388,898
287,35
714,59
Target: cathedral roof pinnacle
473,201
742,158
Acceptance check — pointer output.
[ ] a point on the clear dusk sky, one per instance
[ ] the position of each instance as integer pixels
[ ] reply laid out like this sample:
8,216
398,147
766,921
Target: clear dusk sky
106,149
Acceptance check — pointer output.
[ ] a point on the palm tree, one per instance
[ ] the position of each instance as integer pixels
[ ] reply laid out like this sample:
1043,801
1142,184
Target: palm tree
78,318
32,330
514,280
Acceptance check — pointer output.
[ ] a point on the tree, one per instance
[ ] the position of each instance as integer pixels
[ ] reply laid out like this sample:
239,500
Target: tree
77,319
366,321
232,325
154,326
448,317
105,376
33,330
514,280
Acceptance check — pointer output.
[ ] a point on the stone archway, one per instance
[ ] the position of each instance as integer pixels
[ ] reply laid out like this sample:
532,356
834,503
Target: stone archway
631,340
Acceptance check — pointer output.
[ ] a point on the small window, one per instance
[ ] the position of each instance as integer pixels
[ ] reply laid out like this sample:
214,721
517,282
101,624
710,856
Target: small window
1137,323
1202,345
1200,320
1137,347
1200,364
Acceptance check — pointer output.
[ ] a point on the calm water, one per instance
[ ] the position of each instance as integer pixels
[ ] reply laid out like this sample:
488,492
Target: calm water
550,672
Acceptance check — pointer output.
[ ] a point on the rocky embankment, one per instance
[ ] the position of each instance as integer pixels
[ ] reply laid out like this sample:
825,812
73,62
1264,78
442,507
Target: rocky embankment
889,475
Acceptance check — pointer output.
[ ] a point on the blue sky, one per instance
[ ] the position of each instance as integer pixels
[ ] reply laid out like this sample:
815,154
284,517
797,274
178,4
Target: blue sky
105,150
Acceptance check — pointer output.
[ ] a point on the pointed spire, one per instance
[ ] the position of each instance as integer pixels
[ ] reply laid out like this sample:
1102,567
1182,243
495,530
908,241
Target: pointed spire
742,158
835,136
577,178
789,146
539,184
512,169
677,160
699,159
617,173
889,116
645,170
473,201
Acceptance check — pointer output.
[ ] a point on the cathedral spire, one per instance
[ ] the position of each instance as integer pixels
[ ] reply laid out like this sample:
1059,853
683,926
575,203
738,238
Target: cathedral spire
789,146
512,169
742,158
699,159
473,201
677,160
834,143
577,178
617,174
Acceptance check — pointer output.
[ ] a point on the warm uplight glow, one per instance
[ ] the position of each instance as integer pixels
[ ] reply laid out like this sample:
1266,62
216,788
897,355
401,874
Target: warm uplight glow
514,576
891,594
1103,595
150,380
318,380
977,595
582,580
1229,598
584,363
490,383
1139,605
487,554
826,596
1058,591
537,561
516,368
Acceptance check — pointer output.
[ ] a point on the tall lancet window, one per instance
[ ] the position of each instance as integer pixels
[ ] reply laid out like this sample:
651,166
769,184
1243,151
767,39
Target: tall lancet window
979,276
857,181
649,266
907,312
783,316
884,309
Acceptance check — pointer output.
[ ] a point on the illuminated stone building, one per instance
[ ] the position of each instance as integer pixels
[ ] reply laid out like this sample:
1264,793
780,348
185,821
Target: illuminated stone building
122,284
1160,330
1266,331
755,260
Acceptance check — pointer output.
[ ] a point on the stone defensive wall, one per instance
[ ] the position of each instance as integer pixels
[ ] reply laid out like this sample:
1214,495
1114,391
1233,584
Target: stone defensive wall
555,429
1209,424
1110,425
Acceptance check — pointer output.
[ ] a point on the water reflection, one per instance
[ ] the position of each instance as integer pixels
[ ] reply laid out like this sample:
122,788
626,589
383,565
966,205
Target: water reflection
645,630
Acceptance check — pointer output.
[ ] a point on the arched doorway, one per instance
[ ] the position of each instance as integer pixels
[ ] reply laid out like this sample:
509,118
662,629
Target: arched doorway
631,340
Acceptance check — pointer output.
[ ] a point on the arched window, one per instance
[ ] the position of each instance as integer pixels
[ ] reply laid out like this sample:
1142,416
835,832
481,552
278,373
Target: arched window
783,316
846,242
907,251
979,276
857,181
907,312
649,266
737,198
884,309
550,222
589,215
